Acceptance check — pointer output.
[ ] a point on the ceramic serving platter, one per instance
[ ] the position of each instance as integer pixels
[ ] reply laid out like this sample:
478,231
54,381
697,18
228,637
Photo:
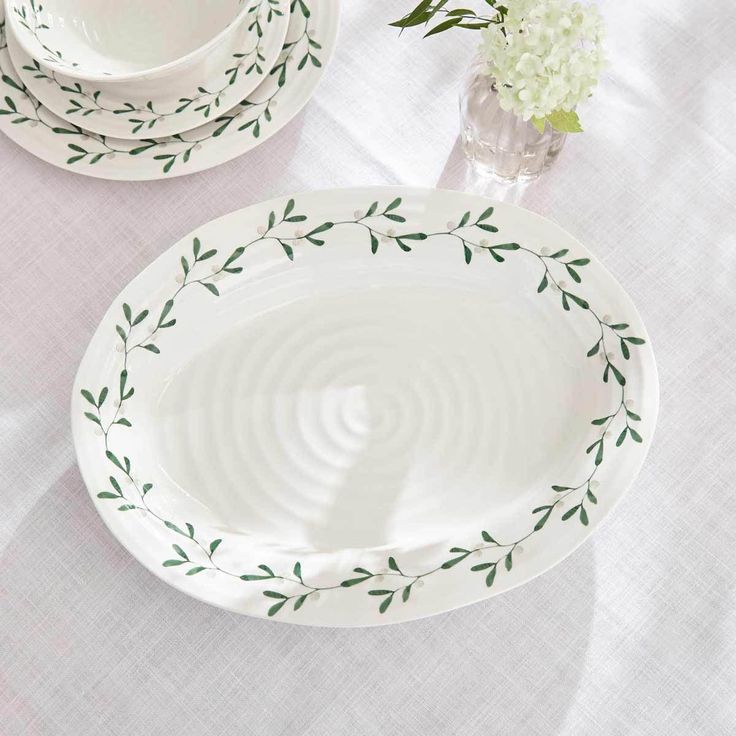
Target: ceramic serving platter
309,43
141,108
363,406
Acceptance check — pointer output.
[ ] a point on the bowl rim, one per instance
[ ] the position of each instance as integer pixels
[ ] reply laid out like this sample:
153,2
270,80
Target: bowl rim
27,45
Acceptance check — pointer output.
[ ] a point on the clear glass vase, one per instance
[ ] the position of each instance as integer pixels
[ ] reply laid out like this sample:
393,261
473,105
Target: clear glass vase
500,143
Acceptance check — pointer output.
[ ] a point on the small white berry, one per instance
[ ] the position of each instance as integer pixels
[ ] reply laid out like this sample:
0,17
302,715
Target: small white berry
315,596
606,434
519,549
484,242
563,284
561,504
49,81
98,432
119,348
299,234
357,214
111,155
379,578
544,251
629,403
217,277
391,232
606,318
179,279
261,230
450,225
197,146
419,583
610,356
477,553
214,268
34,123
594,484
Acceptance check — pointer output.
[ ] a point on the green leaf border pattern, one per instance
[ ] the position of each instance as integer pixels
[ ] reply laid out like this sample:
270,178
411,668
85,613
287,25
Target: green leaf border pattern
29,18
250,115
204,101
396,583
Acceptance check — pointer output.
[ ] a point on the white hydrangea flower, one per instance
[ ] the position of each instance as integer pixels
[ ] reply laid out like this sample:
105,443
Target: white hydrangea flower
545,57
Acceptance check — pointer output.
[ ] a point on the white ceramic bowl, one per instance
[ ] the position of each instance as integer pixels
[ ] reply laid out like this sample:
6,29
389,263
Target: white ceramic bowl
109,40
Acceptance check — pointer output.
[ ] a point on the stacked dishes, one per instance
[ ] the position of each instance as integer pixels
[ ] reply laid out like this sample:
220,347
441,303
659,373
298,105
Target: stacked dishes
141,90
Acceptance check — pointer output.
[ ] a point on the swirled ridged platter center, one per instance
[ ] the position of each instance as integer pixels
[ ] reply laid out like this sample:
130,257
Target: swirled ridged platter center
363,406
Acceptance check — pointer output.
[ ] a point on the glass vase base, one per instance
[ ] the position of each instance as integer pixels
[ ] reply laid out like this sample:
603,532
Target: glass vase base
509,164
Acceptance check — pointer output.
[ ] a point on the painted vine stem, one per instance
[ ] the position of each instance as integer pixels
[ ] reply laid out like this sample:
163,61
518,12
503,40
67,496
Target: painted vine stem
139,331
251,115
204,101
29,17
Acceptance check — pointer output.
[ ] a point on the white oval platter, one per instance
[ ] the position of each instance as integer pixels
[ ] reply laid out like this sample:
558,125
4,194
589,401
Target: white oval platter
137,109
363,406
310,41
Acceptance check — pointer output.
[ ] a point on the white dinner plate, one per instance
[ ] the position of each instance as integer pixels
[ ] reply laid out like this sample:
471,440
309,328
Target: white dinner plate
363,406
143,108
309,43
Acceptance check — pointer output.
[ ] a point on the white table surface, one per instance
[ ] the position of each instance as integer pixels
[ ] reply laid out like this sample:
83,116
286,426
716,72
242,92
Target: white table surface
635,633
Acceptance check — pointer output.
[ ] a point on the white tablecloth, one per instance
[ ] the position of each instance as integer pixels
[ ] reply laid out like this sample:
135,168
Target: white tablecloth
633,634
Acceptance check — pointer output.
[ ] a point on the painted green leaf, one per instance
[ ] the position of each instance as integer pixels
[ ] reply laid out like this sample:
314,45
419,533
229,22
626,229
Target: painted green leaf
87,395
273,594
569,513
276,607
509,560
